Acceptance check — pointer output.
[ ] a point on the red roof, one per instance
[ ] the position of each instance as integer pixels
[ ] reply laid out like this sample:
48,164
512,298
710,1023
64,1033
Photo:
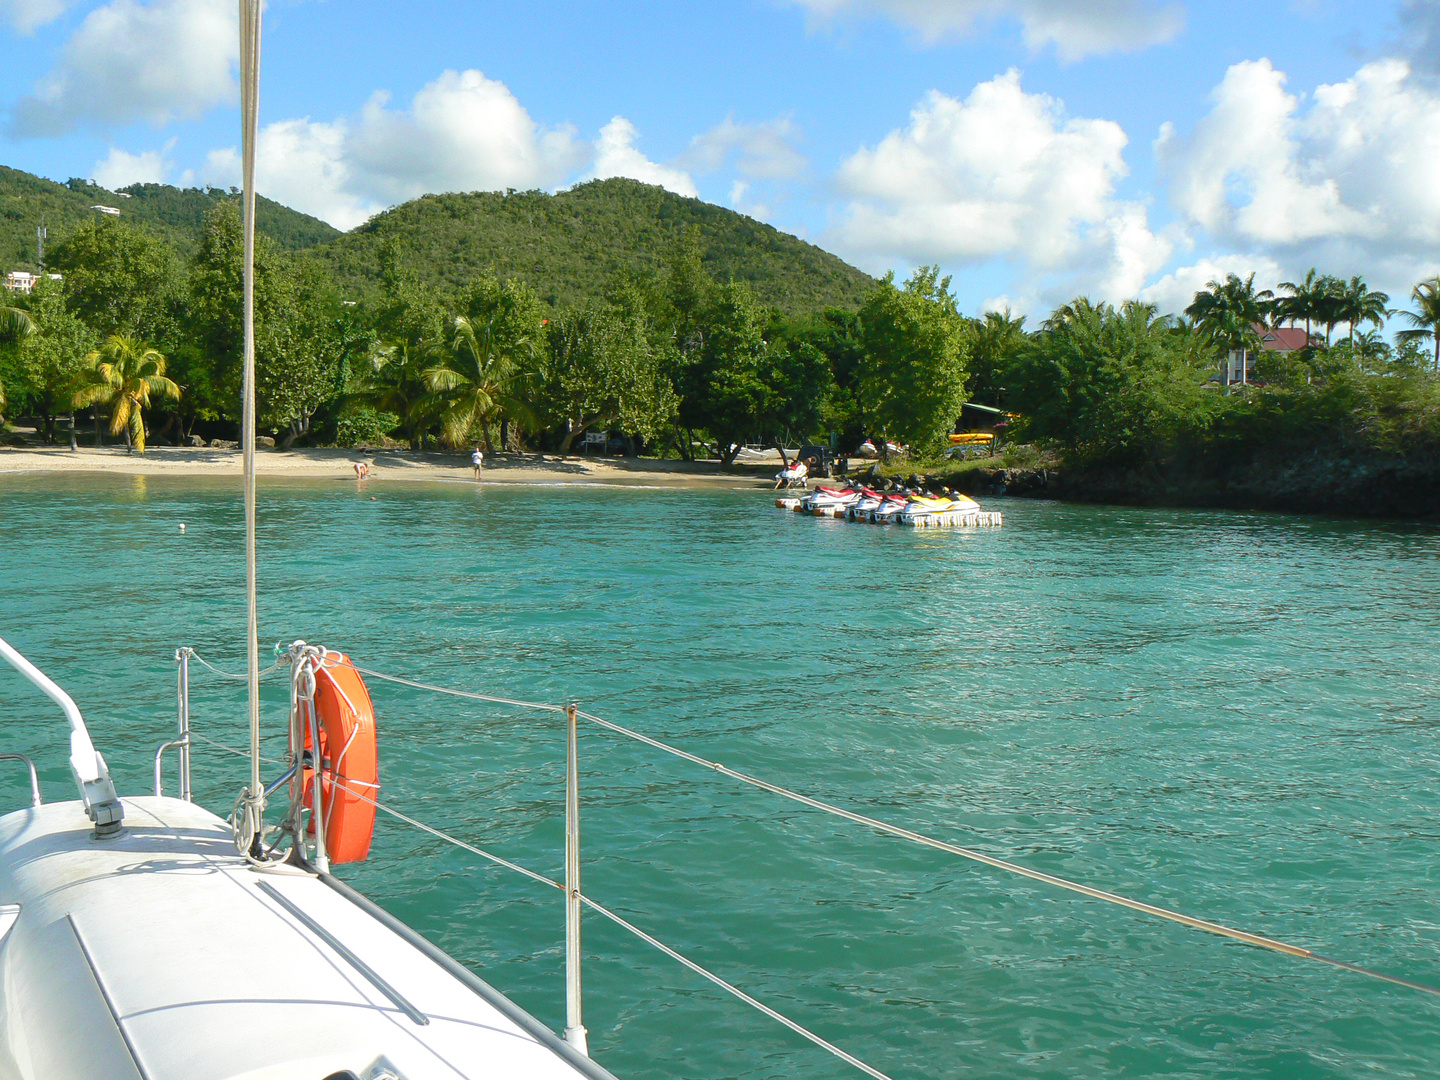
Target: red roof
1282,338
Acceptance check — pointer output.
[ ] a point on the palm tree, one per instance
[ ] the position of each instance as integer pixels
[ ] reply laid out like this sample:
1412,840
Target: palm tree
1305,300
1330,304
123,374
1227,312
1426,322
1357,303
1080,310
482,376
395,382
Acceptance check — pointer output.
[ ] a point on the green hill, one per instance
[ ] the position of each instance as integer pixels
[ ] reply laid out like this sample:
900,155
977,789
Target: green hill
175,213
569,245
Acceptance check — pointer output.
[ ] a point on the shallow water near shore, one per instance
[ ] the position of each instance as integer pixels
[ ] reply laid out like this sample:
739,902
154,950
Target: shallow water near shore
1231,715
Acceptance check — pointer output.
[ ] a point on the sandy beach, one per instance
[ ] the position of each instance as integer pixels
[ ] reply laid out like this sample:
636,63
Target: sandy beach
386,465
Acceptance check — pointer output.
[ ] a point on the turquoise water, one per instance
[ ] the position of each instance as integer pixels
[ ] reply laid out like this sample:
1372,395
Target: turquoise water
1233,715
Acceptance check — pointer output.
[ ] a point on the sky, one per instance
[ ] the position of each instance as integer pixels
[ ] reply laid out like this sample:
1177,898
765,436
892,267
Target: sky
1036,150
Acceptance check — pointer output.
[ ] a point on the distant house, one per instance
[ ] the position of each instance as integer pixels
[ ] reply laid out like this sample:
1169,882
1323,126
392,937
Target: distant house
106,210
1240,363
24,281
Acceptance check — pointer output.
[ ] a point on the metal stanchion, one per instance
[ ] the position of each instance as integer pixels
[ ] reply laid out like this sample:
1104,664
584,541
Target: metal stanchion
183,657
574,1029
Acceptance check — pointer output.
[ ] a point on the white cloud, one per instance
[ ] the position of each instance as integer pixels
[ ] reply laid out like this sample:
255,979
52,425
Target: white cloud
615,155
1076,28
1354,172
130,61
120,169
1002,174
303,165
1174,292
27,15
462,132
764,151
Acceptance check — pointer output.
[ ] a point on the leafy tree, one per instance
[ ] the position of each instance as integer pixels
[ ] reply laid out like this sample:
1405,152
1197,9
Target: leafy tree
737,384
123,374
52,357
119,279
916,352
1424,323
603,371
298,349
300,335
836,334
1109,385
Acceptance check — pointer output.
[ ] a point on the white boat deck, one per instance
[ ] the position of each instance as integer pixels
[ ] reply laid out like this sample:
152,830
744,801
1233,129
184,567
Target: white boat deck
191,965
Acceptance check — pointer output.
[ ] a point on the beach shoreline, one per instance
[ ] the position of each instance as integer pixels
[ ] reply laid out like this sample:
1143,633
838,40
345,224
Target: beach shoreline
386,465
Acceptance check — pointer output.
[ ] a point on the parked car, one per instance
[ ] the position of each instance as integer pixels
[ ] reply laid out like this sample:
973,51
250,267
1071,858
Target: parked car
824,459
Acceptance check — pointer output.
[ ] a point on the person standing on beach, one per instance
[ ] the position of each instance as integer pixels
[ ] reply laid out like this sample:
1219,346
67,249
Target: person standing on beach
477,459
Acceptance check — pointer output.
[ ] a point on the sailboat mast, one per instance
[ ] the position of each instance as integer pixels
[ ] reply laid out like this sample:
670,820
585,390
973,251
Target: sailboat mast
249,112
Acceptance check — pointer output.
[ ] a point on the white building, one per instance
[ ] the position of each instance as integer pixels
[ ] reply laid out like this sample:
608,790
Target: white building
23,281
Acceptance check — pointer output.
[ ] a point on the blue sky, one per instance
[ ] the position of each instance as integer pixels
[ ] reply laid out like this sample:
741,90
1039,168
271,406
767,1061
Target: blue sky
1036,149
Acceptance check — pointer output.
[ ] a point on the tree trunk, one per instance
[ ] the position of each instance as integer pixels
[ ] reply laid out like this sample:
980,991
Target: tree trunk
99,438
164,432
298,427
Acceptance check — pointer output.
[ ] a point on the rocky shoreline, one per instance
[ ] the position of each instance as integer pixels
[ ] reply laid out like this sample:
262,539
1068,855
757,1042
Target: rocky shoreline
1366,485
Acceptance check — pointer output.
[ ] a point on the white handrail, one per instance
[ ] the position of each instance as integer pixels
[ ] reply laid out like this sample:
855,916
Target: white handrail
86,764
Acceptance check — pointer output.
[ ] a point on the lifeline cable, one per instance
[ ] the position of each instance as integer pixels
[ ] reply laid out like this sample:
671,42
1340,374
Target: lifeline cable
227,674
1219,929
649,939
1206,925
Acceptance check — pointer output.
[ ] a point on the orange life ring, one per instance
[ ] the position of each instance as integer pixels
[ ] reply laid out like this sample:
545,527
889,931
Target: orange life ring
346,720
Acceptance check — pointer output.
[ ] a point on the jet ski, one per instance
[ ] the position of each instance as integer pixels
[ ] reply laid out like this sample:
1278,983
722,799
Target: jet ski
860,509
925,510
829,501
890,509
792,474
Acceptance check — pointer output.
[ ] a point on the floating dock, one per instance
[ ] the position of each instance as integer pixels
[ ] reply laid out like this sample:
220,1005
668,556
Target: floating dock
953,519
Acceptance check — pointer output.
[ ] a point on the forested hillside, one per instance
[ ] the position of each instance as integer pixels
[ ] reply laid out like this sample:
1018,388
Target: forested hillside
176,214
569,246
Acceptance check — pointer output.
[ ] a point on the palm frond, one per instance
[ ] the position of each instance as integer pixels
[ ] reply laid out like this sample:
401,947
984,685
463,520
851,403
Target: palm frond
119,415
15,322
